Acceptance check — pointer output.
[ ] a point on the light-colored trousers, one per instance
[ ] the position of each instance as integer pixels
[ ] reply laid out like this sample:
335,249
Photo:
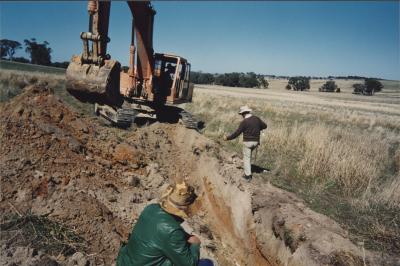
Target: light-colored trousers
248,148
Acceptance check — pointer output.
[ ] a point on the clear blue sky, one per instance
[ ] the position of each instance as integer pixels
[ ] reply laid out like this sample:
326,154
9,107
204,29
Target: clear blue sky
281,37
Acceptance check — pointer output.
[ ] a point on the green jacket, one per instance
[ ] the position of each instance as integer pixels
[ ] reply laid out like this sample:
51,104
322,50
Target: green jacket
158,239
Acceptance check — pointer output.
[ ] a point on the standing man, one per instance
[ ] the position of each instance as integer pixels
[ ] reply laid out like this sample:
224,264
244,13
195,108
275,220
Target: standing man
251,127
157,238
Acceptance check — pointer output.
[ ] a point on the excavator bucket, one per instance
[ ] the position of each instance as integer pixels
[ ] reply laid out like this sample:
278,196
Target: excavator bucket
94,84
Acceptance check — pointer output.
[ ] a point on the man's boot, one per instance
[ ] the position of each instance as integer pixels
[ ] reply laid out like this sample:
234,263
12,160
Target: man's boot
248,177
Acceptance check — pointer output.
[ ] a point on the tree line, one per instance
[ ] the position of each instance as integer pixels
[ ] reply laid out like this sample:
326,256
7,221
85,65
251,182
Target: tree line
299,83
369,87
234,79
328,77
39,53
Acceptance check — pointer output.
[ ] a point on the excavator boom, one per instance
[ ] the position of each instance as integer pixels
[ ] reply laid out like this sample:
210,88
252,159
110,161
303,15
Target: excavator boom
142,25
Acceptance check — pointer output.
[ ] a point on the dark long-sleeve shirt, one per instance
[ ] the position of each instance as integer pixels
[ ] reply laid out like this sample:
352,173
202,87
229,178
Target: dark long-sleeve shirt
251,128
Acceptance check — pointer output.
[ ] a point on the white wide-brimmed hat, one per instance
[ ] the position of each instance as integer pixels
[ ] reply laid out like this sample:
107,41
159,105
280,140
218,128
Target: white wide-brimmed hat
245,109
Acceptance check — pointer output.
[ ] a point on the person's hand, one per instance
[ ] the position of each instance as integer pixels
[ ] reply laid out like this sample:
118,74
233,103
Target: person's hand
225,137
194,240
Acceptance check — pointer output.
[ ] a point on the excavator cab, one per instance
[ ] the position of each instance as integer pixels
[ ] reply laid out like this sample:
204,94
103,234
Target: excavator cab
171,81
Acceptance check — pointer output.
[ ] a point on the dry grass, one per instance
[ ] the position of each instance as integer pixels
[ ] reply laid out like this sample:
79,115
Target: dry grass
41,233
351,155
342,157
12,82
340,152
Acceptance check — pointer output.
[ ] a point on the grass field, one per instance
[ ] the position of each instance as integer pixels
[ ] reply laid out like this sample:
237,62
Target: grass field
7,65
340,152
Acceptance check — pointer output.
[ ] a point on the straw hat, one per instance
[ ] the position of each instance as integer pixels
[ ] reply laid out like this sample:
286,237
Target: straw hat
176,199
245,109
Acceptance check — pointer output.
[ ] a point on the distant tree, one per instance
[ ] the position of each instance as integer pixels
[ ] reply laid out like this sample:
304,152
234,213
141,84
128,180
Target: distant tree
372,86
206,78
39,52
329,86
3,52
248,80
228,79
8,48
299,83
194,77
369,87
234,79
262,82
201,78
355,77
220,80
61,64
21,59
358,88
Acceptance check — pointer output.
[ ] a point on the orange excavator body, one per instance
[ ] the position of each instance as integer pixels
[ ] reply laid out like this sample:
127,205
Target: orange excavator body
152,79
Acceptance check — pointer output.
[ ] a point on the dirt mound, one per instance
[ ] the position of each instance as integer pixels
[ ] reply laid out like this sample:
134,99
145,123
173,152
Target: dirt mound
52,162
62,165
95,180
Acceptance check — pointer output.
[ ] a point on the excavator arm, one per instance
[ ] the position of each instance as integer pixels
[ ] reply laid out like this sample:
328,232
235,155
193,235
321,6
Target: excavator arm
142,25
99,15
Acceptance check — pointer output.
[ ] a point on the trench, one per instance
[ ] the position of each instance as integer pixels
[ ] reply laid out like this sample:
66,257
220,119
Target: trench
225,208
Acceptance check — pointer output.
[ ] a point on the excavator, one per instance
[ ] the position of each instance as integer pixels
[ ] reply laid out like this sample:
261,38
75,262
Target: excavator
151,87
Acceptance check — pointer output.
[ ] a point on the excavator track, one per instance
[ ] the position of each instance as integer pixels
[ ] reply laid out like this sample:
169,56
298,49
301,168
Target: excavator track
122,117
125,117
188,120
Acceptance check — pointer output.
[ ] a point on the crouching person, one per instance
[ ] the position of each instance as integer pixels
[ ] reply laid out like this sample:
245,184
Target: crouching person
157,238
